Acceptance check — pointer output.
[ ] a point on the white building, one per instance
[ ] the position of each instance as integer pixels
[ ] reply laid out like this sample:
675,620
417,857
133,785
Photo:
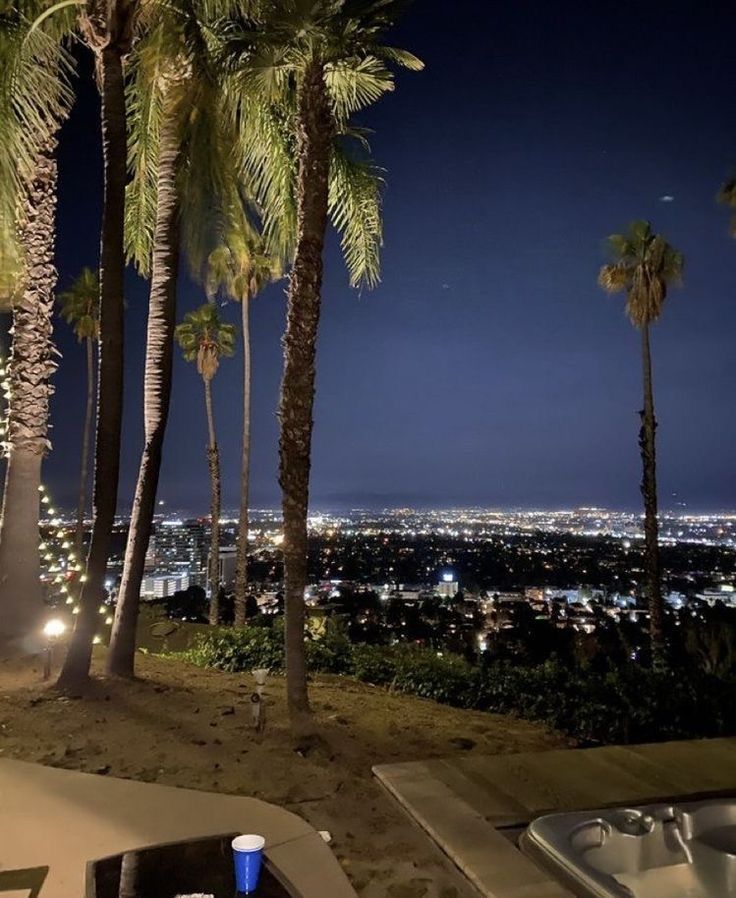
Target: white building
724,593
162,586
448,586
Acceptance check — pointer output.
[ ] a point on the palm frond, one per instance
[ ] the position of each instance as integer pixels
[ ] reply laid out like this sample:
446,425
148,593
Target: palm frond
644,266
727,196
145,107
80,305
354,83
267,147
354,205
402,58
613,278
35,97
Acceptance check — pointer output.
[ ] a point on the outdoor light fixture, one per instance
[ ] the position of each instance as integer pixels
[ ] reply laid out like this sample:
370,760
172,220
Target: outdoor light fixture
54,628
52,631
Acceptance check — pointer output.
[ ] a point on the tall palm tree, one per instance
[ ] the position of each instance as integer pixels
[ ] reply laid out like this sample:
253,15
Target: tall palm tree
644,266
182,163
80,307
240,268
107,27
318,62
204,338
727,196
35,97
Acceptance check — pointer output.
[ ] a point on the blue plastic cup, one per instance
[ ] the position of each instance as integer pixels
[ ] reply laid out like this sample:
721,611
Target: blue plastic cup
247,856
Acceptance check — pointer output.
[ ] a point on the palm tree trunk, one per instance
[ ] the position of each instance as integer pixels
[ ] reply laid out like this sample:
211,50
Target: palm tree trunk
649,493
241,551
30,369
156,397
297,385
110,369
213,462
130,875
84,462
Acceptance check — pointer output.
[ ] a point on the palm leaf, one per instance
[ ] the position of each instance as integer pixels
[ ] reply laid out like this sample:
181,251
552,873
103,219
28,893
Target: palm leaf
354,204
35,97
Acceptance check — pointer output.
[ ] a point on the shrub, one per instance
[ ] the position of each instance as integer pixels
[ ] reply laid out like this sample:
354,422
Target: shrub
239,649
448,679
619,705
374,664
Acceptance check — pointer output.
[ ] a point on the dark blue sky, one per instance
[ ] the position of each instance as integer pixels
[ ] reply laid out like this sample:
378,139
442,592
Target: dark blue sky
488,368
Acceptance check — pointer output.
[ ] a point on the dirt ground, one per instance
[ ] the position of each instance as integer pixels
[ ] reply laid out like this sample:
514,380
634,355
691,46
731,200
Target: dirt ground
180,725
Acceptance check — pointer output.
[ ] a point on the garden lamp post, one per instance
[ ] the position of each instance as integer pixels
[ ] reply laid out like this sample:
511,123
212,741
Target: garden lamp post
52,631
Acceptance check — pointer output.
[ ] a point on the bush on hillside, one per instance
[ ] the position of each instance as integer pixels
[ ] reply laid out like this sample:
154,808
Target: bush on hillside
619,705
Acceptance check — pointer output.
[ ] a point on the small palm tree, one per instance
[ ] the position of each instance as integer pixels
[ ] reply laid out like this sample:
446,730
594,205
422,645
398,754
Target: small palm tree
316,63
727,196
204,338
644,266
80,307
240,268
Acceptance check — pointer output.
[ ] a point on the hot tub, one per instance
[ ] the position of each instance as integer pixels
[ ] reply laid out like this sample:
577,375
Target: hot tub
654,851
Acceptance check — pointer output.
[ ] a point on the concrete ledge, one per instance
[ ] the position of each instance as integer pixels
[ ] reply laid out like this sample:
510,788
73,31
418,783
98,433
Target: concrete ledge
63,819
489,860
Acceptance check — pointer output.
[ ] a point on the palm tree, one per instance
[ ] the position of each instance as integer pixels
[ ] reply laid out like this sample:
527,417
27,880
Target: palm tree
317,62
240,268
644,266
204,338
80,306
181,158
107,27
35,97
162,263
727,196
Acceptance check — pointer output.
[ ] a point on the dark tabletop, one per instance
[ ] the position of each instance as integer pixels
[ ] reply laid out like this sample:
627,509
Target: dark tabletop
182,868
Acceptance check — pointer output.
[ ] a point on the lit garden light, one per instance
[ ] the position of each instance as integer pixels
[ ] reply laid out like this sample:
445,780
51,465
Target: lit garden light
52,630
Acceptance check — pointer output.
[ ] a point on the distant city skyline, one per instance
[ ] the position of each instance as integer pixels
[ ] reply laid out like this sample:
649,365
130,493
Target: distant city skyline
488,368
169,514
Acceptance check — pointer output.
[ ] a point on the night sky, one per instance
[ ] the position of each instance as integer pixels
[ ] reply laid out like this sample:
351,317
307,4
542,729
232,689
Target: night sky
488,368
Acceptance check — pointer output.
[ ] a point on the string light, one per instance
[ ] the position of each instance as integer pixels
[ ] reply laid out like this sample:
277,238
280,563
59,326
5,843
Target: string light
62,565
